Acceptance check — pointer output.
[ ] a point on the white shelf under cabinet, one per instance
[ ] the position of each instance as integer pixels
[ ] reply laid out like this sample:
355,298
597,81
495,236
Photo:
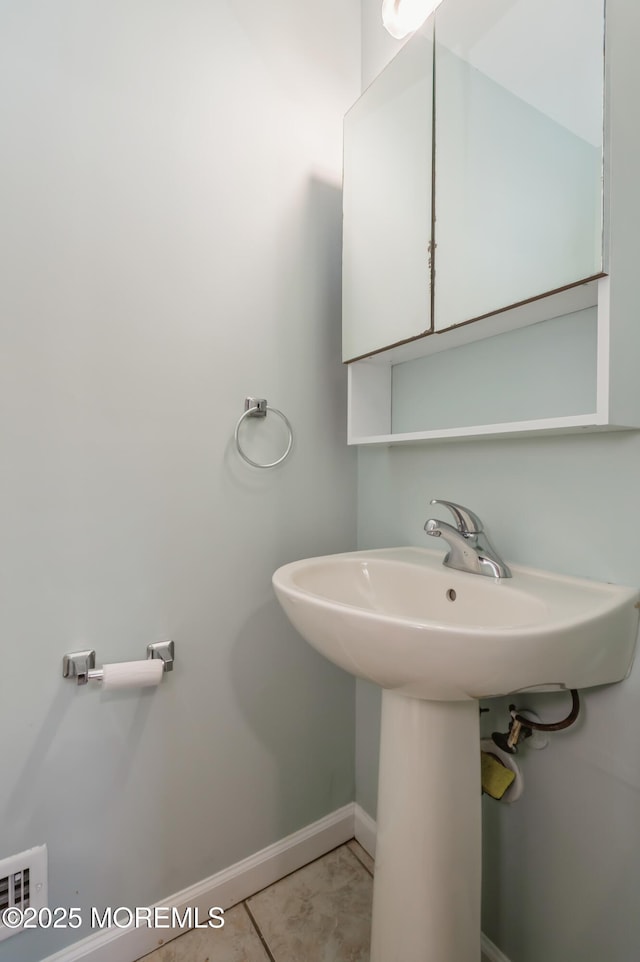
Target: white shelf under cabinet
617,396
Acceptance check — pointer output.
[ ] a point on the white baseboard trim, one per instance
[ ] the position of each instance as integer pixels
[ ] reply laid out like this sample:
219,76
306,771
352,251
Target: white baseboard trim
364,830
237,883
491,952
225,889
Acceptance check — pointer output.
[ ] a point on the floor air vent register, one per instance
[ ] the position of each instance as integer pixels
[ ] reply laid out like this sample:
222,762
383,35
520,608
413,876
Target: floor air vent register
23,885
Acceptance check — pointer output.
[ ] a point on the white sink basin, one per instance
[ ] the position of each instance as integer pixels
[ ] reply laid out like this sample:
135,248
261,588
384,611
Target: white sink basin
399,618
437,639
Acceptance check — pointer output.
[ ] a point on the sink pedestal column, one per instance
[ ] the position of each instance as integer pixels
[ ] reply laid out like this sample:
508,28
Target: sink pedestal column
426,897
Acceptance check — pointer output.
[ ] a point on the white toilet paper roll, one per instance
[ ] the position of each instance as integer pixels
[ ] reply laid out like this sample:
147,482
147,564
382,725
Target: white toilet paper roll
516,787
132,674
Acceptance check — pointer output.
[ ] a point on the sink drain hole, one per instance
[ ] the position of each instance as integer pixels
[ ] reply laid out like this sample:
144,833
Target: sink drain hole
451,594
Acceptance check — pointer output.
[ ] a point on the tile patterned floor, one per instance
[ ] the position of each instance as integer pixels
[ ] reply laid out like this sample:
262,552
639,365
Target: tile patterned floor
321,913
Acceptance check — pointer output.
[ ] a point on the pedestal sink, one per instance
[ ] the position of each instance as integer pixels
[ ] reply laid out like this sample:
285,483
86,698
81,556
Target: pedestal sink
437,640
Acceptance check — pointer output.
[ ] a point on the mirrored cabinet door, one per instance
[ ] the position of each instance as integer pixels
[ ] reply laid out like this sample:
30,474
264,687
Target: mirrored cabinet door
387,204
518,159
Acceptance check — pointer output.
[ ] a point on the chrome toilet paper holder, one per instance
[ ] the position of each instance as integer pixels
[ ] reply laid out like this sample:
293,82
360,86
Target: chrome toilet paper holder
81,665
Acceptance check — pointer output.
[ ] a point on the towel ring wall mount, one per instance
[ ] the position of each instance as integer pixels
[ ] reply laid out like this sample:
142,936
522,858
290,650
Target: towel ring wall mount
257,407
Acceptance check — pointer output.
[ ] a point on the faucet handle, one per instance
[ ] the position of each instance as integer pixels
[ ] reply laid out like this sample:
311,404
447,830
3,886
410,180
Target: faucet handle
466,520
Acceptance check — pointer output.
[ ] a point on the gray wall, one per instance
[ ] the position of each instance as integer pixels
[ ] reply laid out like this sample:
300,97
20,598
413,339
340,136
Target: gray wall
169,243
562,866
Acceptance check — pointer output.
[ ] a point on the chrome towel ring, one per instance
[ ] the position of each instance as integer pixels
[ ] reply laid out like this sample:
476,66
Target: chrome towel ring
257,407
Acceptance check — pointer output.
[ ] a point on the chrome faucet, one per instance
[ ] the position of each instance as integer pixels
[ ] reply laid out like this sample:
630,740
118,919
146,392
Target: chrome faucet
469,548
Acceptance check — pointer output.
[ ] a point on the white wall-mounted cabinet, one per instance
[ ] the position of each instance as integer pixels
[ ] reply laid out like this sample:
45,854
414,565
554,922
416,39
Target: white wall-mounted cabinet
473,170
518,140
568,371
564,360
387,204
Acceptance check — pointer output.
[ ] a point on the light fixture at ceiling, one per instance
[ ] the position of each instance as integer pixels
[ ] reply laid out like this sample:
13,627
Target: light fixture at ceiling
402,17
